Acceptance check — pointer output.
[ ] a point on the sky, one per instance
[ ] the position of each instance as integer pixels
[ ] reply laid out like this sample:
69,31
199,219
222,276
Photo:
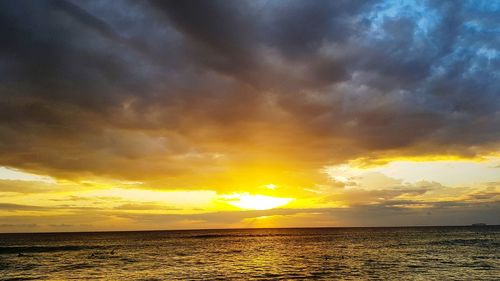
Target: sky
132,115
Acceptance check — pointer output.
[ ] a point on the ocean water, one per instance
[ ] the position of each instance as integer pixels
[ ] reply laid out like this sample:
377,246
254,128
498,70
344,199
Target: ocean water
421,253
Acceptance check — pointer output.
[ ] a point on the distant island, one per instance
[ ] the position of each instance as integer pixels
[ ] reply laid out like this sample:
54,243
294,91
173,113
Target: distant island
479,224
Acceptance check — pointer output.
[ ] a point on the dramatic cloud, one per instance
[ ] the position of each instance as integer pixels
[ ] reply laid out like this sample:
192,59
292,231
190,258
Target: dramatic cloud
233,95
135,90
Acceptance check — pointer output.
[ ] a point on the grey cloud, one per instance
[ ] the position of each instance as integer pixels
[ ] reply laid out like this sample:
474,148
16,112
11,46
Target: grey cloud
484,195
220,35
358,196
125,89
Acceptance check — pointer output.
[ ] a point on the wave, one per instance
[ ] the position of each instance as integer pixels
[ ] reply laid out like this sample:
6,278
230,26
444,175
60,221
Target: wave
467,242
45,249
208,236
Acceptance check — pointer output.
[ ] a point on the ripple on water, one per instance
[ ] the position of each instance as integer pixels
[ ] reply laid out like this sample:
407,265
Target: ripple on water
281,254
44,249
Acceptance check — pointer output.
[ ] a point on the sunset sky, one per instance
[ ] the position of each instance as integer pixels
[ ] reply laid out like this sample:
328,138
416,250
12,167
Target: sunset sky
130,115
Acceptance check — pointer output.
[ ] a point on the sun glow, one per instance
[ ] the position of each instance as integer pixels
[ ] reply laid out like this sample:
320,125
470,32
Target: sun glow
271,186
256,202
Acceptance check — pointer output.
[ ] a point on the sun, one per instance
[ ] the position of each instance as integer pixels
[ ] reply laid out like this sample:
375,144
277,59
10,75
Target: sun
256,202
270,186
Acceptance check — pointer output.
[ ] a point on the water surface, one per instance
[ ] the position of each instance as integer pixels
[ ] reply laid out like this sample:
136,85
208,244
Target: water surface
425,253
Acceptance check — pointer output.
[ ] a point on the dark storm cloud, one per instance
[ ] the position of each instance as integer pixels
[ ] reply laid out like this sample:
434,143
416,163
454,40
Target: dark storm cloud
154,89
220,33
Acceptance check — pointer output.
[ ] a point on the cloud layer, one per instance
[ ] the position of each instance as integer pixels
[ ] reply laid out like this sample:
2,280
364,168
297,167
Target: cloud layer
163,88
233,95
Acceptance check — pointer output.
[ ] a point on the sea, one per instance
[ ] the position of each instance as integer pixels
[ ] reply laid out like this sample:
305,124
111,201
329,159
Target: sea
404,253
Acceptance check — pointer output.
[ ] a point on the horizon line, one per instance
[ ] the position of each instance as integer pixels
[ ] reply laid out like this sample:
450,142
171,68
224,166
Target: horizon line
249,228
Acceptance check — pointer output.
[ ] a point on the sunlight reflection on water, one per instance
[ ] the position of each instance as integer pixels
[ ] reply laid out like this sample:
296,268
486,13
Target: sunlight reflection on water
442,253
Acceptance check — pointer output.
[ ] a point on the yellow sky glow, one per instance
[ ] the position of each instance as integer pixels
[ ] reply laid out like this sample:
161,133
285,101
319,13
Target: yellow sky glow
248,201
409,184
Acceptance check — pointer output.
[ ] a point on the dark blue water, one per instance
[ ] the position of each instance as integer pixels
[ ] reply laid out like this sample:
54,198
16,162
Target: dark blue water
426,253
